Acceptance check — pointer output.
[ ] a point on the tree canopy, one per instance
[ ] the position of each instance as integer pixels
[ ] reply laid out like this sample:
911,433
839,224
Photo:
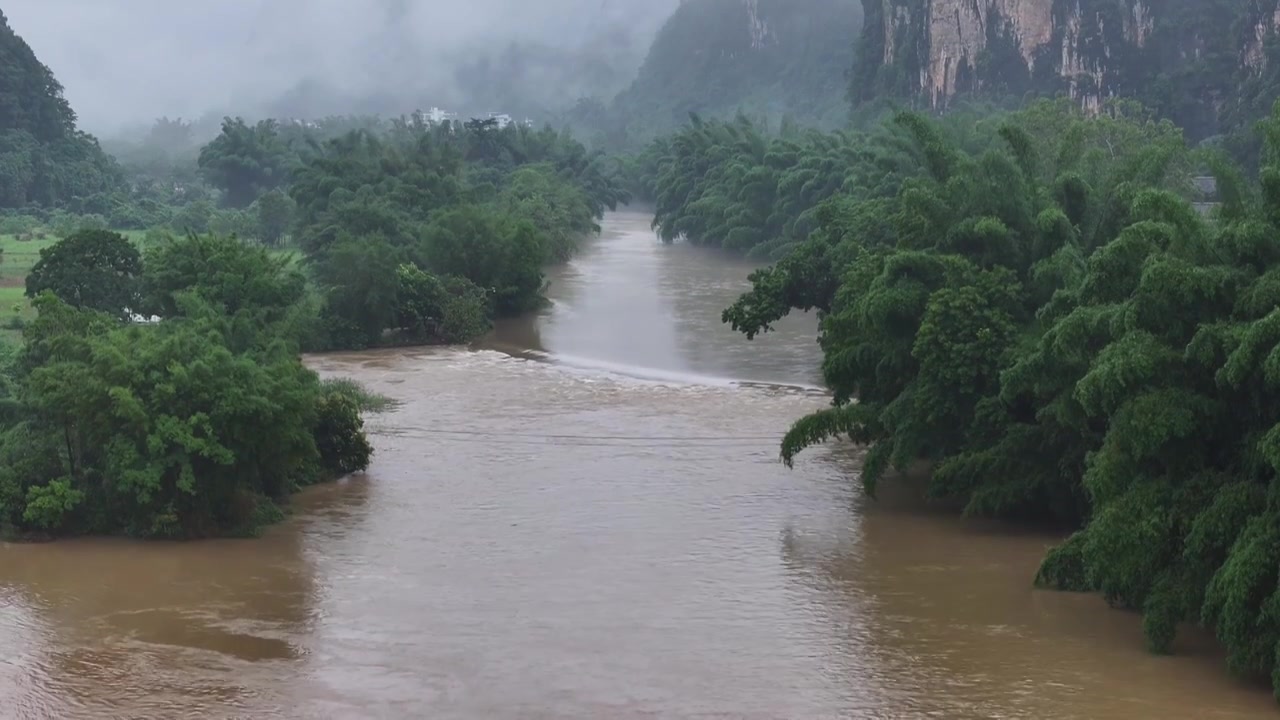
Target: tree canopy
427,232
194,426
245,161
94,269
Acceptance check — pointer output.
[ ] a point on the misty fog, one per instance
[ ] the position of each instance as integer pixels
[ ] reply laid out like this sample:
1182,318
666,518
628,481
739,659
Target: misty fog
126,62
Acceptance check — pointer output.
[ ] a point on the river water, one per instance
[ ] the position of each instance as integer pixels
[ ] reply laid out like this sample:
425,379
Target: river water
587,519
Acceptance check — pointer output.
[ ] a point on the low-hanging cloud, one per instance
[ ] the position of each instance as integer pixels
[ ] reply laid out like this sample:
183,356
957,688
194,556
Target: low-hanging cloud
126,62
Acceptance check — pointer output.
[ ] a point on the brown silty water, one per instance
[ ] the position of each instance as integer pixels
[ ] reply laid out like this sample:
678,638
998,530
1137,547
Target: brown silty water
587,519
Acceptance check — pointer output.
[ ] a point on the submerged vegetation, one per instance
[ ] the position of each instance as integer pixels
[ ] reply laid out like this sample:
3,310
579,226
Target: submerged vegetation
1031,303
365,399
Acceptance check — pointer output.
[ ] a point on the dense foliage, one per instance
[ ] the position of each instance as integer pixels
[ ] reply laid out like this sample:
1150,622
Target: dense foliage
192,426
1032,305
734,185
257,293
199,421
245,161
426,232
731,185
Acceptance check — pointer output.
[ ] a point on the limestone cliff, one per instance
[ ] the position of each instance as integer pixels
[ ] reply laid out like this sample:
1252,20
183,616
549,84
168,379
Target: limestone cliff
1184,57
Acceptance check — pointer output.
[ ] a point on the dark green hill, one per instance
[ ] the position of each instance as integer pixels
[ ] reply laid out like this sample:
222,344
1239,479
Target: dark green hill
767,58
44,159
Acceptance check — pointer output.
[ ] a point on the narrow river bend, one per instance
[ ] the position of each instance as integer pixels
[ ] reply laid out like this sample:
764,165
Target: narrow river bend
587,519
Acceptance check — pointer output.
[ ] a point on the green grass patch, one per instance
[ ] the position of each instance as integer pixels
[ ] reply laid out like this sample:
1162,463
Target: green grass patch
15,311
19,256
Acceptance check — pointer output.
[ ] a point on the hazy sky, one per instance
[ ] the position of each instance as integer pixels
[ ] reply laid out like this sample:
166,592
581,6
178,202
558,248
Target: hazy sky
129,61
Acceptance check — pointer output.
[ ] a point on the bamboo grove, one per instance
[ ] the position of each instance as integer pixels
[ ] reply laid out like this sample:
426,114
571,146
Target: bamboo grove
419,232
1032,305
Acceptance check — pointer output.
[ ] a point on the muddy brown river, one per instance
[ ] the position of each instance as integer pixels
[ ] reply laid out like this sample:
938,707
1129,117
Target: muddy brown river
587,519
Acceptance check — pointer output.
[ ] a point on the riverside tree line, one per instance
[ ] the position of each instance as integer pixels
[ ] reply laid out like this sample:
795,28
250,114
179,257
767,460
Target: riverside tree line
270,240
1031,303
411,231
199,424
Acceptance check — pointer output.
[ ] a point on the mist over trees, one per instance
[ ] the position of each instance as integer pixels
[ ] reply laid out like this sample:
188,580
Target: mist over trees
771,59
244,162
311,58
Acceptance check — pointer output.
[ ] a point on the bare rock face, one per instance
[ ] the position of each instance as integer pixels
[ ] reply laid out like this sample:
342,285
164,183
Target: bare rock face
959,31
757,27
1263,27
1063,35
1172,54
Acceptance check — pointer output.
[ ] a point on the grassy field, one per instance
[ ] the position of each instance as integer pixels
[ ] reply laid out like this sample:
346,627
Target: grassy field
15,263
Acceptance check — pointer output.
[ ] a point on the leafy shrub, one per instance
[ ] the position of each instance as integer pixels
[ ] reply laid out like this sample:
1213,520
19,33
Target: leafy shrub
339,434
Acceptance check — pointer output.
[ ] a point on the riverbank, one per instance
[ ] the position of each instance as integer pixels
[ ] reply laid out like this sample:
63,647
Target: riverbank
537,538
533,535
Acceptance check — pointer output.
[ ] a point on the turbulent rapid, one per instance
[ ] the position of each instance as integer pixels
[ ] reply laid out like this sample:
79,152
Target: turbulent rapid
585,517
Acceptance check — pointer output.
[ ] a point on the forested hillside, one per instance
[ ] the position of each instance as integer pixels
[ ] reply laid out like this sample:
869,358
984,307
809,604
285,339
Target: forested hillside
44,159
768,58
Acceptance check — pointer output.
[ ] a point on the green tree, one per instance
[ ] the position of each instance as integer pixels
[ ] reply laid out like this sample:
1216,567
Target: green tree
339,434
245,161
262,296
560,210
164,430
93,269
433,309
273,215
477,209
358,278
501,254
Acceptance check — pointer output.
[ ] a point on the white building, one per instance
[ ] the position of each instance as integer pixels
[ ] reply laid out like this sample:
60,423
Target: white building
436,116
